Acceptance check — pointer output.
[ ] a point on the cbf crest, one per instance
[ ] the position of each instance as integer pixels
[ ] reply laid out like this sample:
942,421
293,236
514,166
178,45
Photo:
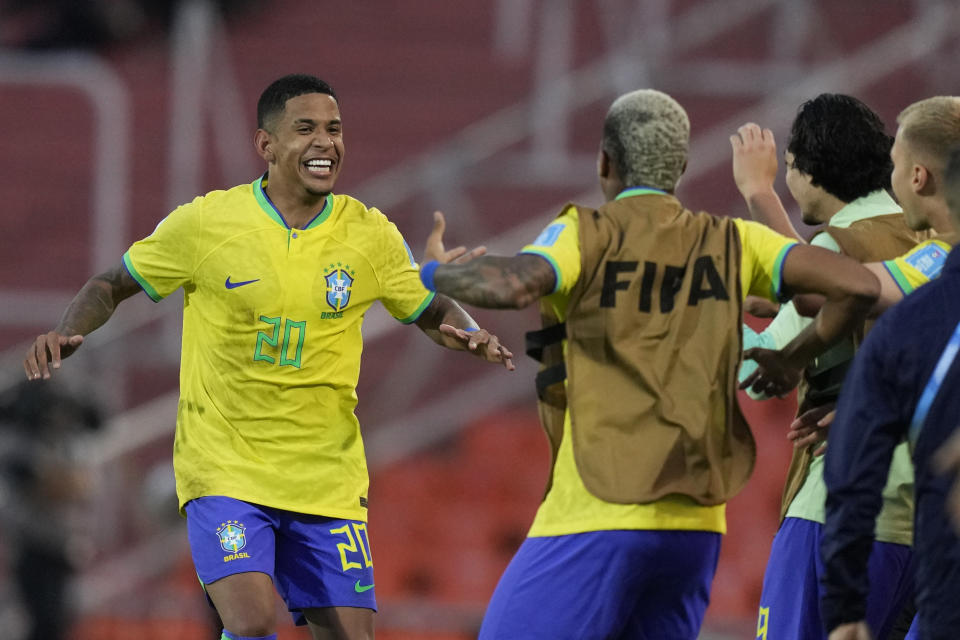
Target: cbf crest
232,536
339,286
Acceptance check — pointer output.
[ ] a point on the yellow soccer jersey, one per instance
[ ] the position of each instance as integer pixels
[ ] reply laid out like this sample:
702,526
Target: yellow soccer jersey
569,507
271,343
918,266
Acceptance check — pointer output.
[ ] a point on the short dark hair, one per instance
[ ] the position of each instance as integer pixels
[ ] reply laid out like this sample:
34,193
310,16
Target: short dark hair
842,145
274,98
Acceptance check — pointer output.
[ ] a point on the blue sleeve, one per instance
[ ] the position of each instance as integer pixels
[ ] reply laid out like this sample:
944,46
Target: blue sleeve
870,422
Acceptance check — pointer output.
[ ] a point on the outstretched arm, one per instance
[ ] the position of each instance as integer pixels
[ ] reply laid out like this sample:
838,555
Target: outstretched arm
850,289
493,282
89,309
435,249
446,323
890,294
754,171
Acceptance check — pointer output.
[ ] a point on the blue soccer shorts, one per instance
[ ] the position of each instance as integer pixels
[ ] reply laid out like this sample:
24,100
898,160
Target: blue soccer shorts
313,561
641,585
790,600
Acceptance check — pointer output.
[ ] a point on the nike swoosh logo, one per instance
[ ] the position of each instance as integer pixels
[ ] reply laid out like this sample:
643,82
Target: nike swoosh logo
234,285
360,589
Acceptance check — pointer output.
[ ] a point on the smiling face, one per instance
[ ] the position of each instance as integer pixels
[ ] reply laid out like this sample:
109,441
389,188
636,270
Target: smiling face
303,147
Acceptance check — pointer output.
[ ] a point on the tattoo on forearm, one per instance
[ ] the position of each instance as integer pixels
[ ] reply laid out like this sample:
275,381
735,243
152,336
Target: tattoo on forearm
96,301
497,282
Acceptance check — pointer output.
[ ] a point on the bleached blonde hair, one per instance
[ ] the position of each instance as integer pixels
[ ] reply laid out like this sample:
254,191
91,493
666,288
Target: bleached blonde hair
932,128
646,134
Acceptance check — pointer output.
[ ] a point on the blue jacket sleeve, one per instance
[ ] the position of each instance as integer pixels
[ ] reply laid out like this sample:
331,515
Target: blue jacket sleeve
870,422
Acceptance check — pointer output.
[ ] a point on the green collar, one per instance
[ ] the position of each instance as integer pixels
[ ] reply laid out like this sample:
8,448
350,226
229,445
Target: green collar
271,210
639,191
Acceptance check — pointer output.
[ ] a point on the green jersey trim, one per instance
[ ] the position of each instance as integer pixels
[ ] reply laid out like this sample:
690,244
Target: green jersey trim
265,203
423,305
553,265
325,212
268,207
639,191
776,284
149,290
898,276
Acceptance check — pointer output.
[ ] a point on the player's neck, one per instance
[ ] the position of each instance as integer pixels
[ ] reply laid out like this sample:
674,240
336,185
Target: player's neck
302,217
829,206
297,211
939,218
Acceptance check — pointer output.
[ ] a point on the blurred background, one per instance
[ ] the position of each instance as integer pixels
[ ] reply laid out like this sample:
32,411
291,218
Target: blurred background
114,111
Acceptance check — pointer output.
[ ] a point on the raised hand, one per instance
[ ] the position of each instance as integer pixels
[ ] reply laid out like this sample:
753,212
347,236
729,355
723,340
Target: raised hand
434,249
754,159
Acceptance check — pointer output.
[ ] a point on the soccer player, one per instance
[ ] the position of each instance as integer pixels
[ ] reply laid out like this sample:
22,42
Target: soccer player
838,167
920,195
641,301
902,385
927,131
277,276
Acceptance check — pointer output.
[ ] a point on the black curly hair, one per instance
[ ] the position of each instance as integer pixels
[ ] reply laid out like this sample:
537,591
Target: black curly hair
842,145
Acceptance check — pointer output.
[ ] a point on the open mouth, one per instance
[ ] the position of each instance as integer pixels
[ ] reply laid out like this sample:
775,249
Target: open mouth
320,167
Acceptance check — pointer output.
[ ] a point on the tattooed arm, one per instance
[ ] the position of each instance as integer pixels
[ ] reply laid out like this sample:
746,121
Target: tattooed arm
446,323
497,282
90,308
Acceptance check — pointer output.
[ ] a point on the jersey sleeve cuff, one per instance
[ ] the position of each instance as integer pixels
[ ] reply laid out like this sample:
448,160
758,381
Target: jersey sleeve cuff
551,261
777,284
149,290
898,276
413,317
